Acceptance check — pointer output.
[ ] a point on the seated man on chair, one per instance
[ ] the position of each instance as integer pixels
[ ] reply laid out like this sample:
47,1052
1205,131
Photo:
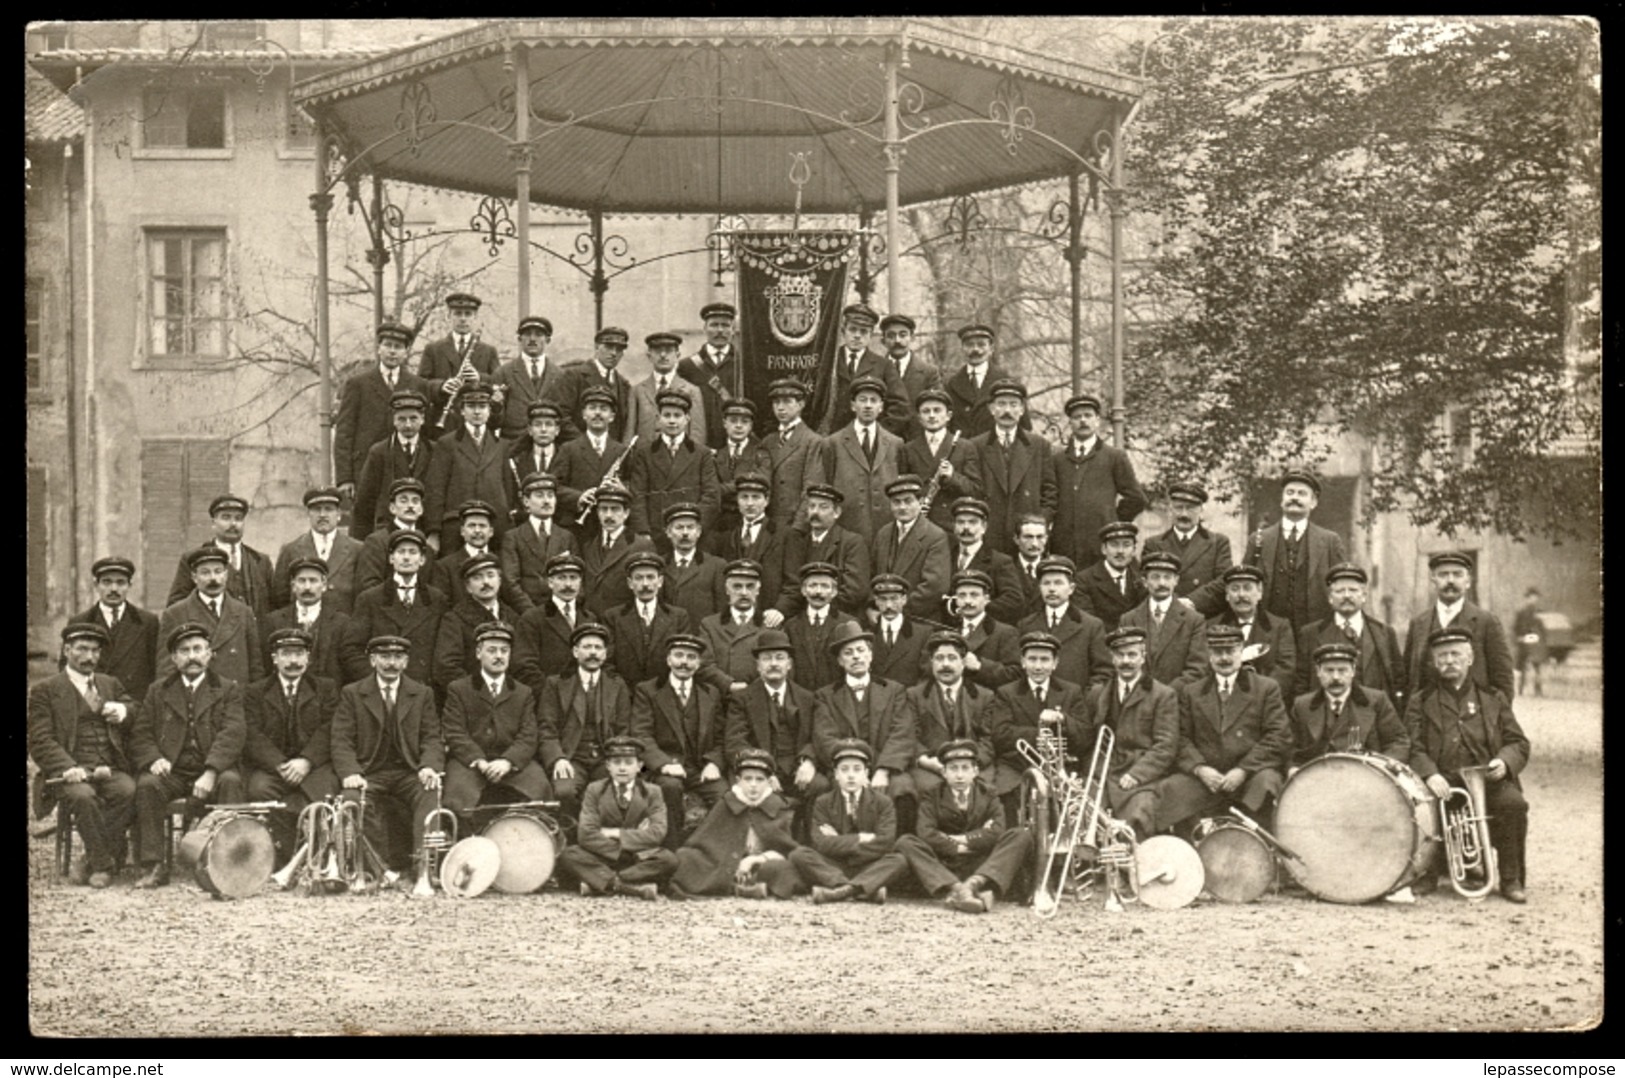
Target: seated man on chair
581,711
76,729
288,754
185,743
489,729
680,721
620,848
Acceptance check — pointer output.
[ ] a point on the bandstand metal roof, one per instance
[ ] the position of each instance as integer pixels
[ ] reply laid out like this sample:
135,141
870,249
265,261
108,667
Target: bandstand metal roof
689,115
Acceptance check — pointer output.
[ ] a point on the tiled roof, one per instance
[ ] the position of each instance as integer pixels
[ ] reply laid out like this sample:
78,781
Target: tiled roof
48,114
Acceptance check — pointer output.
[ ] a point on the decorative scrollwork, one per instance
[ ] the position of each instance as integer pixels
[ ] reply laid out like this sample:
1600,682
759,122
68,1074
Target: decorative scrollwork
546,105
416,112
866,99
492,222
964,220
338,159
602,251
1057,220
1009,108
911,107
706,76
392,225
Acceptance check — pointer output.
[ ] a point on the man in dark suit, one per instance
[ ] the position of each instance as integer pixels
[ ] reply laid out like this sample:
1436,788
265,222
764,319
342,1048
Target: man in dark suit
131,653
1014,464
1379,664
899,644
620,844
693,577
404,605
941,456
77,724
1455,722
456,641
582,711
946,707
861,459
529,377
287,755
914,375
962,852
186,741
365,408
861,705
754,537
643,414
405,454
671,470
583,467
853,832
1143,715
639,628
1032,547
604,558
1451,576
1175,634
536,452
741,453
716,368
730,633
386,746
913,548
468,465
971,551
476,528
489,729
535,540
775,713
1293,555
1342,715
994,657
1020,707
609,345
324,541
248,576
807,634
405,514
1110,588
444,359
1234,737
970,387
1083,658
234,639
823,540
1094,485
855,359
312,613
790,453
1267,643
542,640
1203,555
680,721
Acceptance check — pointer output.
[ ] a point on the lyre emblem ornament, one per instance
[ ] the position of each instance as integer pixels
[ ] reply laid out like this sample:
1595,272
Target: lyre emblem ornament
793,305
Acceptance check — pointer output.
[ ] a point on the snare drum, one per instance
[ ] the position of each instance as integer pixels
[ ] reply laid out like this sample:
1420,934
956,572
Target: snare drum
1239,866
231,855
1363,824
529,842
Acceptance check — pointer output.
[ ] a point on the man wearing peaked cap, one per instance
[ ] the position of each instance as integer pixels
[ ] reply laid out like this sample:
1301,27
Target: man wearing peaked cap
809,631
861,458
942,458
823,539
1037,699
1450,574
78,722
536,452
365,414
534,538
622,827
790,452
754,535
1014,462
731,632
458,351
853,832
1203,554
913,374
532,376
404,500
232,628
741,453
479,601
131,654
584,706
470,464
913,548
970,550
1112,586
860,704
404,454
543,646
405,604
694,579
186,740
312,611
1342,715
326,541
899,638
1143,715
588,465
643,413
601,372
287,756
994,657
489,727
1083,659
1176,637
742,846
947,706
679,719
671,469
1378,664
1268,645
969,387
605,555
855,358
717,368
249,576
1094,484
477,530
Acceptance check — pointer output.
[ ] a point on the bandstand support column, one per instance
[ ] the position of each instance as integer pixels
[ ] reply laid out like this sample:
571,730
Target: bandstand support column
1115,204
1074,260
522,153
321,203
893,149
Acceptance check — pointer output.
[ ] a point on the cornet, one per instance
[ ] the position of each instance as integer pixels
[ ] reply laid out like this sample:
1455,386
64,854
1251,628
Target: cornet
1466,829
439,835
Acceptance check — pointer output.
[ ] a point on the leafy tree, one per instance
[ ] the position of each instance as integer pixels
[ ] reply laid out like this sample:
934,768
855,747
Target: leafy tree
1366,225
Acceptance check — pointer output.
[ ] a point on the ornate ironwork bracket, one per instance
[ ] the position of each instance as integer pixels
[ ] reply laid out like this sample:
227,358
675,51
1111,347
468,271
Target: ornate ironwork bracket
1009,109
417,111
493,223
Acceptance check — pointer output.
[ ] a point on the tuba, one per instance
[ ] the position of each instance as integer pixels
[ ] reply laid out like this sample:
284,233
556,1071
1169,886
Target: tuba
1474,867
439,835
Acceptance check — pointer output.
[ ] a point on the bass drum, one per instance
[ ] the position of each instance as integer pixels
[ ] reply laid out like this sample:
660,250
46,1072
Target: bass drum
231,855
1363,825
529,843
1240,866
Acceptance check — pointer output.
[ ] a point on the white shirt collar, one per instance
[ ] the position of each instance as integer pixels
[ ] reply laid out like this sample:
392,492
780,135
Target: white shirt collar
972,549
817,615
646,610
1290,528
934,438
786,428
674,441
1084,448
1184,537
611,537
80,681
603,372
402,582
493,683
310,613
817,537
857,684
860,428
597,440
972,624
1447,612
733,616
539,362
1037,688
562,605
588,677
1160,606
190,683
682,684
1126,687
109,612
894,620
542,524
1355,621
227,547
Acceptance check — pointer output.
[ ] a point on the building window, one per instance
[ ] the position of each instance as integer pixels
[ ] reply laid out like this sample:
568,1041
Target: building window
186,294
189,118
1458,427
179,477
33,303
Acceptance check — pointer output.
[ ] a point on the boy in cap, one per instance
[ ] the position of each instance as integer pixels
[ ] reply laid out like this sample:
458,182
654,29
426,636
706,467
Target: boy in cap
1379,665
962,852
131,653
1203,555
77,724
459,350
534,540
364,416
693,577
489,729
455,642
185,742
583,467
1094,484
672,469
742,845
1176,635
643,414
1035,699
1084,658
404,604
619,847
789,451
940,456
947,707
249,577
1143,715
325,541
860,458
716,368
679,719
1112,587
754,536
1266,639
313,612
1014,462
536,452
288,753
853,831
405,454
532,376
582,710
405,512
741,453
899,645
470,464
233,632
823,540
1343,715
913,548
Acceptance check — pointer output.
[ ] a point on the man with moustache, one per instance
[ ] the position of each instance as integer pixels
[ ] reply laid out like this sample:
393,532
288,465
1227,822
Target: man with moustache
131,652
972,552
469,465
1083,658
365,406
530,377
823,540
639,628
1175,634
324,541
670,470
1378,664
534,540
582,710
1267,644
405,514
477,529
1451,576
755,536
1031,548
994,657
899,644
1343,715
808,632
1036,700
456,643
1143,715
443,359
947,707
609,345
913,374
774,713
604,559
234,641
1293,556
287,755
490,730
730,634
1110,588
680,721
536,452
693,577
1094,484
861,459
543,645
1203,555
312,613
403,455
249,571
716,368
913,548
969,389
643,413
583,465
1014,464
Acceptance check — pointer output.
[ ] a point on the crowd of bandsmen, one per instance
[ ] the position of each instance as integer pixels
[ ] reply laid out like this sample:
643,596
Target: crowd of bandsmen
748,656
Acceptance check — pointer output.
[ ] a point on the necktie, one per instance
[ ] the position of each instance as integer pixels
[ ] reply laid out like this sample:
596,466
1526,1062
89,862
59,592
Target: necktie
682,694
891,634
663,384
961,801
1032,569
1156,616
236,558
389,377
976,377
784,436
852,363
868,443
733,452
858,691
570,614
304,617
852,806
479,434
1004,440
389,699
964,561
406,597
409,447
289,691
92,697
1122,584
1348,631
1054,618
623,795
1337,710
116,616
1224,691
815,620
532,364
214,609
648,615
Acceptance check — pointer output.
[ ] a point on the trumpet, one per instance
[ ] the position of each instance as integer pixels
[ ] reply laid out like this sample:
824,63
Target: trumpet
612,477
1466,829
439,835
466,375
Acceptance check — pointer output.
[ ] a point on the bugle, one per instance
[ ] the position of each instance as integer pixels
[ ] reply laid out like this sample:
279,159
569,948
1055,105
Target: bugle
439,835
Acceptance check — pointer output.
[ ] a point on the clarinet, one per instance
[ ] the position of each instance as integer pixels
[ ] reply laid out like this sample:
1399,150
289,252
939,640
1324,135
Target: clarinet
465,374
935,484
612,477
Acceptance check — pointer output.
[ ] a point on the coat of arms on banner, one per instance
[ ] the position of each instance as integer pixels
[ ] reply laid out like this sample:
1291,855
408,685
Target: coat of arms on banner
793,306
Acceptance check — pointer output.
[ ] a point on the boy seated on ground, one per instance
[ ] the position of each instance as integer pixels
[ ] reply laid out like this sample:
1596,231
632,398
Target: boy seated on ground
744,842
619,840
963,853
853,831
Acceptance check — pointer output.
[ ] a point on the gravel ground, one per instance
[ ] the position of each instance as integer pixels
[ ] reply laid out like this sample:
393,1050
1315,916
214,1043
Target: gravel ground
280,963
